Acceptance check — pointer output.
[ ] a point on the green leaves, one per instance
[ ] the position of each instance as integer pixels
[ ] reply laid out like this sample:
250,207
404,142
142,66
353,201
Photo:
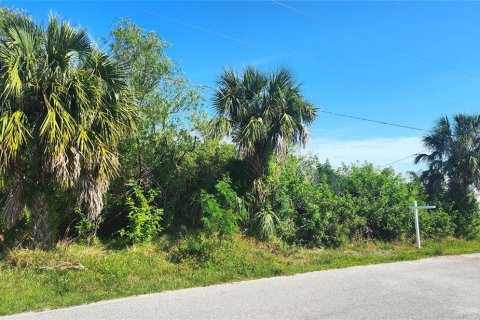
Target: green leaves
144,216
64,106
454,167
65,43
14,134
223,211
264,113
254,132
143,52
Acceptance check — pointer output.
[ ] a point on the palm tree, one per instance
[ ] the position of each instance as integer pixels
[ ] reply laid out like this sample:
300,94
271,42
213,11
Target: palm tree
454,161
454,169
262,114
64,106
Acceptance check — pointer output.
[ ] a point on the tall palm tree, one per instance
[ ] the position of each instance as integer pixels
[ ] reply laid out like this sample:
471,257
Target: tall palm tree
262,113
64,105
454,161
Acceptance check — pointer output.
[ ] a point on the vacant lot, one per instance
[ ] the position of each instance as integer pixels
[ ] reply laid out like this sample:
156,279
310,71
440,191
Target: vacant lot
436,288
74,274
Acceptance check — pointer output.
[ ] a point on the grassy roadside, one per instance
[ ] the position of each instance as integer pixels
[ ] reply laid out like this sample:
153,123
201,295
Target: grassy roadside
32,280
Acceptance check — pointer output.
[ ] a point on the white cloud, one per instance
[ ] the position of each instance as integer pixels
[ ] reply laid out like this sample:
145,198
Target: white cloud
379,151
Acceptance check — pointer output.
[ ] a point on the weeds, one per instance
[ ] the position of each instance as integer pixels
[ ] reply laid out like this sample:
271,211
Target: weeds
34,280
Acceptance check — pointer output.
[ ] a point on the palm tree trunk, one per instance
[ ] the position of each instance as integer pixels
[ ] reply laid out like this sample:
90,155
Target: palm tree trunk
39,215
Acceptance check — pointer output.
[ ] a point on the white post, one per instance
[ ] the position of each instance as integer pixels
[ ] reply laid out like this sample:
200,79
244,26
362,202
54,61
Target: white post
417,225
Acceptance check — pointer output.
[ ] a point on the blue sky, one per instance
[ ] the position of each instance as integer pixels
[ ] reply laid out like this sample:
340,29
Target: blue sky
401,62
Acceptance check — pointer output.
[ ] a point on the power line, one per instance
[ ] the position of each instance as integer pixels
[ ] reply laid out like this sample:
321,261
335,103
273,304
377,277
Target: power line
399,160
215,33
341,115
255,45
375,121
382,122
320,110
375,40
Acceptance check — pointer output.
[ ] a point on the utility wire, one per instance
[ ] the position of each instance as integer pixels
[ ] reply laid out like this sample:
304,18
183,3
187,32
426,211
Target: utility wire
374,40
320,110
255,45
331,113
381,122
399,160
215,33
384,123
375,121
251,44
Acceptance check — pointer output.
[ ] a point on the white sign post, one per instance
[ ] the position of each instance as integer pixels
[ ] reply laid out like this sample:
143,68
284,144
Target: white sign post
417,225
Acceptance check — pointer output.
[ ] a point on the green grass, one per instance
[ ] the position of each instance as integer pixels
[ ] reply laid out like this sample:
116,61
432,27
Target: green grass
166,265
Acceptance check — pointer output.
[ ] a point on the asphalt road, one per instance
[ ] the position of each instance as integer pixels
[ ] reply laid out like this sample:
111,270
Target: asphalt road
436,288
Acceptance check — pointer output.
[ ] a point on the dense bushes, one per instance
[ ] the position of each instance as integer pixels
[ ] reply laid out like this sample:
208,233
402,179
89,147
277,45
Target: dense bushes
381,200
315,205
464,212
177,178
308,203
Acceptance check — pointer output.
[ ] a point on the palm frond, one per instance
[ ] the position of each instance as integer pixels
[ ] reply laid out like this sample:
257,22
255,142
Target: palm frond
265,221
14,134
254,132
64,104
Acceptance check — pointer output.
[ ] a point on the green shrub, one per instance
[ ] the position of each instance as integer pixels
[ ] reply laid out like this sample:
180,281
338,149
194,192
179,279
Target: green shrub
381,198
465,216
300,208
198,249
85,229
319,206
265,222
463,210
222,211
143,217
436,224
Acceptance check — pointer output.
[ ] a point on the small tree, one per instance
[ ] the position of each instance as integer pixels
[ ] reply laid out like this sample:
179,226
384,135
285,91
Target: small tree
224,210
144,216
262,114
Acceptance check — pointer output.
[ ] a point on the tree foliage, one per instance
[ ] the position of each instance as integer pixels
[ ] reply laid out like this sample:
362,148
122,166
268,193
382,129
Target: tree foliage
224,210
144,216
170,152
453,172
75,120
64,107
262,113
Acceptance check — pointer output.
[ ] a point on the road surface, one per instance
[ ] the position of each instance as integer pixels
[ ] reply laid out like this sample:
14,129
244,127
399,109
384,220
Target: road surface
435,288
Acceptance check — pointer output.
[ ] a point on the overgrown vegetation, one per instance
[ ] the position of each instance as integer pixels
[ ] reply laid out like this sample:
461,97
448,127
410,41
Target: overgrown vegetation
118,150
34,280
144,216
